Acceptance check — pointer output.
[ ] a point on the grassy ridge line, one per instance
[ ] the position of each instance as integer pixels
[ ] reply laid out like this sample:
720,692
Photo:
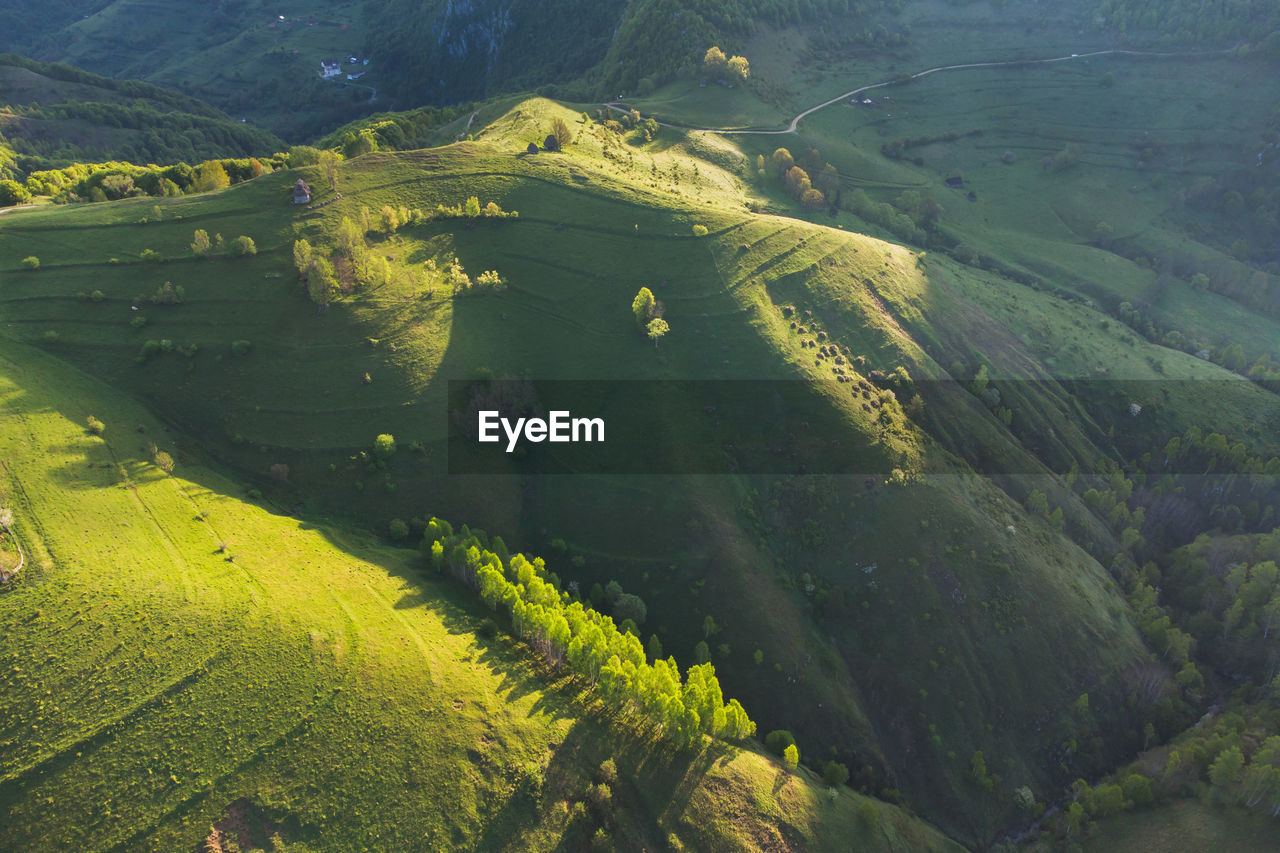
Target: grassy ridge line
331,691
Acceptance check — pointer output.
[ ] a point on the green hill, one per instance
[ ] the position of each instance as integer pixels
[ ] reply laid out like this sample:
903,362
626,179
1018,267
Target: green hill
55,115
1024,306
1006,630
213,663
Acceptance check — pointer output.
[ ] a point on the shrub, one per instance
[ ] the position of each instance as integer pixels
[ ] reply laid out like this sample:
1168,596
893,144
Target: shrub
600,798
699,230
244,247
778,740
138,322
96,427
151,256
834,773
240,347
398,529
608,773
51,337
149,349
791,757
384,446
31,262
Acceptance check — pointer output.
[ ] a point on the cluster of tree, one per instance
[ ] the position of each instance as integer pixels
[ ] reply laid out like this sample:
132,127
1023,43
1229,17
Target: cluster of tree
796,178
203,247
648,315
408,130
52,136
1231,760
114,180
458,283
567,633
733,69
896,149
471,209
656,39
1189,21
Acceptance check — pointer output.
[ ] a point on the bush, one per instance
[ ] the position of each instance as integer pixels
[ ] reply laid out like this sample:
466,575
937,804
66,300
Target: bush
97,296
834,773
244,247
51,337
31,262
384,446
398,529
699,230
96,427
240,347
608,773
12,192
138,322
778,740
151,256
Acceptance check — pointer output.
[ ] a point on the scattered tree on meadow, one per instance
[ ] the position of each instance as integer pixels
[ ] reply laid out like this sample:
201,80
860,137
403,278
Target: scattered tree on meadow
656,329
349,238
302,257
211,175
200,245
643,306
739,69
791,757
322,280
782,161
31,262
560,130
715,61
390,219
244,247
328,162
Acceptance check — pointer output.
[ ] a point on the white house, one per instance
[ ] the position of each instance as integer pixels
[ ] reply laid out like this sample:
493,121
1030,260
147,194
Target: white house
330,68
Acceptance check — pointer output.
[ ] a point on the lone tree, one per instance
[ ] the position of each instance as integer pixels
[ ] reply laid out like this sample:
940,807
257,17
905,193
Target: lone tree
329,168
656,329
560,130
715,61
200,245
782,160
734,69
302,257
643,306
322,280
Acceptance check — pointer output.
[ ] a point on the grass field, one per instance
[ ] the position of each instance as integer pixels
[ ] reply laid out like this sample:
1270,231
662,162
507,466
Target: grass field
175,649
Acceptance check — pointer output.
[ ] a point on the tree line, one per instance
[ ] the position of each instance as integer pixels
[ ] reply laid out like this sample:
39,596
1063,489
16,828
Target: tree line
681,707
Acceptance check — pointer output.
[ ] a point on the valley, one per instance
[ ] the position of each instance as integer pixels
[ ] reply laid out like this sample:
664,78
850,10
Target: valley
1028,296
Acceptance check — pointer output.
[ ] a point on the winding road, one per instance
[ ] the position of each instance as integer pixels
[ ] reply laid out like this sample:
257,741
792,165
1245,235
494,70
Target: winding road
795,122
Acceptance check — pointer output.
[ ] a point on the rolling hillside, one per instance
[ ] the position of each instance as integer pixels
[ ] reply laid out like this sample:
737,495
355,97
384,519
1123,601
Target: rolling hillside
55,115
1016,533
971,674
213,663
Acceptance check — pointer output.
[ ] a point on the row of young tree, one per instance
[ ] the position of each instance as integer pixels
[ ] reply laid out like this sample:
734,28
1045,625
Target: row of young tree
116,180
567,633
